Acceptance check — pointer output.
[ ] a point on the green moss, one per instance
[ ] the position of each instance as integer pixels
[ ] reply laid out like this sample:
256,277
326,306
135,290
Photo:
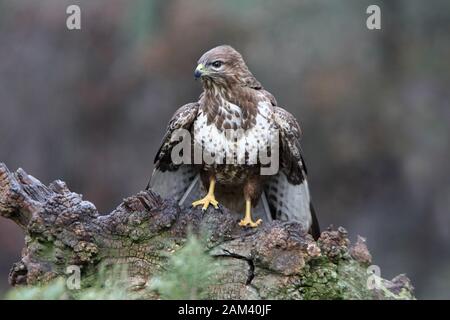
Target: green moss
326,280
55,290
353,280
109,284
188,274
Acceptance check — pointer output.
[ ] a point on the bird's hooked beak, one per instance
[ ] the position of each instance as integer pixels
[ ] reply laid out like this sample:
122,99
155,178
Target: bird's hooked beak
199,71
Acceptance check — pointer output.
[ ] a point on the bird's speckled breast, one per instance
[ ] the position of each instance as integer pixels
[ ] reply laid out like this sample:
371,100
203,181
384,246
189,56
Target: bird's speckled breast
234,154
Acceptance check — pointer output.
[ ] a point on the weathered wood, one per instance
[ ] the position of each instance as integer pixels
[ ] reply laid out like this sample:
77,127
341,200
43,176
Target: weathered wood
277,260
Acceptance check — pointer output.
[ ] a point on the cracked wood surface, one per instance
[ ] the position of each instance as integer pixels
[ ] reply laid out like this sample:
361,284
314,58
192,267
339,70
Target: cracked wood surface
277,260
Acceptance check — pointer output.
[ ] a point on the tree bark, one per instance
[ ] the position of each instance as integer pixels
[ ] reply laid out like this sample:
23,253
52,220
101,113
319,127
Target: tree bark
276,261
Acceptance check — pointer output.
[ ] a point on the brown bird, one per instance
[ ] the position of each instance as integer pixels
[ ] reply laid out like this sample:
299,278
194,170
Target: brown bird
237,146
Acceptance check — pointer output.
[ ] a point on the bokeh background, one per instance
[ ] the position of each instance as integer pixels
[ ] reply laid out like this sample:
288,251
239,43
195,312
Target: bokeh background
90,107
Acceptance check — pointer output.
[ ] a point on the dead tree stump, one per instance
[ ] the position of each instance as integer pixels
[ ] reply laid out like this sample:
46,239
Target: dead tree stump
275,261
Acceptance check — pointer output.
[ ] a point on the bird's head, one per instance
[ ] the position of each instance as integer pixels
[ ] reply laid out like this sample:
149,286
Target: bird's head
221,66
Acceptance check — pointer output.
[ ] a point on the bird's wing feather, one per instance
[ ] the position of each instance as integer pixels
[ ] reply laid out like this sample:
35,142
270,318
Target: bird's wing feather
292,163
288,192
171,180
182,119
174,184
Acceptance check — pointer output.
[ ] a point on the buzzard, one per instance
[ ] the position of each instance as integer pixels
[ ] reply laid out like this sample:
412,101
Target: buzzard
235,122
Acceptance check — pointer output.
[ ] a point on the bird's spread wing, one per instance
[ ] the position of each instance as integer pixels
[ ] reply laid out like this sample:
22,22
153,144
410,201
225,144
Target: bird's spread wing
173,180
288,192
182,119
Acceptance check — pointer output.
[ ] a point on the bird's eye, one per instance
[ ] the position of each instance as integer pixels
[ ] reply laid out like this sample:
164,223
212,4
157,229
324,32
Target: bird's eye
217,64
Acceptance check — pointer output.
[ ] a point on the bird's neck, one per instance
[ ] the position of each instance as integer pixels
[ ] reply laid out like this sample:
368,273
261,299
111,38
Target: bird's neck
217,94
228,107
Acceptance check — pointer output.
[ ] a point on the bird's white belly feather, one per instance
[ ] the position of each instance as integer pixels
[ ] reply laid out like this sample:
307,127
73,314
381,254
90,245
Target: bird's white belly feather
235,146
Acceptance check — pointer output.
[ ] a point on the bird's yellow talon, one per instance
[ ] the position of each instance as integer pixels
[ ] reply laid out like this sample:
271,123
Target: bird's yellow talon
209,198
249,223
206,201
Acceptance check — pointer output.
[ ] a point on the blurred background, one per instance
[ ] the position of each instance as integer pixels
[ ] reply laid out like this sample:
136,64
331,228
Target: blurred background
90,107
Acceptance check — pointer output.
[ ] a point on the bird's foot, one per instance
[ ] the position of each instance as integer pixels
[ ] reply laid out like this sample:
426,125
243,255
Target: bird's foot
206,201
248,222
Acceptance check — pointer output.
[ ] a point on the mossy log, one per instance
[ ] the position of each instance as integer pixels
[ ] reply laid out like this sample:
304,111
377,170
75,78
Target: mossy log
275,261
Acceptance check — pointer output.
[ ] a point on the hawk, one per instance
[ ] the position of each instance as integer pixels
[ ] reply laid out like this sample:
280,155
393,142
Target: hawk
235,122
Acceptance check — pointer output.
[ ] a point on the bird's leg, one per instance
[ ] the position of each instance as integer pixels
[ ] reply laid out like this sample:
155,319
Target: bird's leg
248,221
209,198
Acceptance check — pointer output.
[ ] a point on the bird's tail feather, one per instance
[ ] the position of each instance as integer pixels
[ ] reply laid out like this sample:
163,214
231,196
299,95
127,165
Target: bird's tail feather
315,228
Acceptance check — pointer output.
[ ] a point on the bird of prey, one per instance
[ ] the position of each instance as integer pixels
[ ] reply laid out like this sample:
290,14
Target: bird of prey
233,173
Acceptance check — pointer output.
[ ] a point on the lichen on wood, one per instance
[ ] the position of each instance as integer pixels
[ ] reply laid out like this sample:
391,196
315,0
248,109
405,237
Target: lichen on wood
276,261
